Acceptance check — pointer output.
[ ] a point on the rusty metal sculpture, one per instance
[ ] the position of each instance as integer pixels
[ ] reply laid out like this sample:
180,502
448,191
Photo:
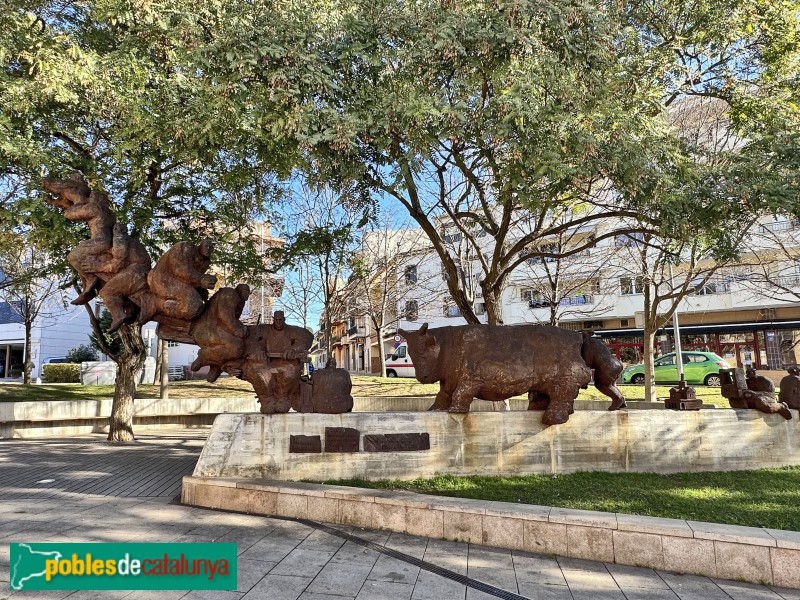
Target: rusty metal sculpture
790,388
175,294
754,392
494,363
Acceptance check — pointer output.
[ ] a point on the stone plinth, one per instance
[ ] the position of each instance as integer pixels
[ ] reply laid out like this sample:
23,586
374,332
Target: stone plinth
410,445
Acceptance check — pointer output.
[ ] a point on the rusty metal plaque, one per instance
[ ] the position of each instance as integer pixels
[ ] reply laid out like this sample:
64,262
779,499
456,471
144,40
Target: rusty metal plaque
305,443
341,439
397,442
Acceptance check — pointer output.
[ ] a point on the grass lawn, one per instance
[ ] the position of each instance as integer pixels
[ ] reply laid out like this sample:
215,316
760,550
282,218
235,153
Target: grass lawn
230,386
763,498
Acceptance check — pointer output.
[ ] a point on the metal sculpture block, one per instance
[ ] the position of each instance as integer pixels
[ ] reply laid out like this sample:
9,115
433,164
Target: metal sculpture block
175,294
790,388
752,391
494,363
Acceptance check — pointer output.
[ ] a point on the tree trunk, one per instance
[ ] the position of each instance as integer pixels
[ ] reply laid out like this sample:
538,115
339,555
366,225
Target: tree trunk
159,350
163,390
649,370
494,306
129,363
381,351
26,371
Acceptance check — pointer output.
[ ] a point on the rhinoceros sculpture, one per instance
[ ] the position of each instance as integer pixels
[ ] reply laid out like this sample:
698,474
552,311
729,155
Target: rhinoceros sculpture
497,362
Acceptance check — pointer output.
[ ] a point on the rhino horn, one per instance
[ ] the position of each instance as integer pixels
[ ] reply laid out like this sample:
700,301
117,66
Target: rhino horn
402,332
423,330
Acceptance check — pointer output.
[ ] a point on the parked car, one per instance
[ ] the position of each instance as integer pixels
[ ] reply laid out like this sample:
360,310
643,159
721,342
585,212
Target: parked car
698,368
399,363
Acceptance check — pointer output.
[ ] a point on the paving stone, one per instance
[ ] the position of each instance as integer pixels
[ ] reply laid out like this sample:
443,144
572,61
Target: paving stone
382,590
505,579
212,595
278,587
486,556
746,591
272,548
635,577
344,579
319,540
250,572
302,563
392,569
353,554
693,587
430,586
453,562
244,540
543,591
98,594
310,596
446,547
534,568
408,544
632,593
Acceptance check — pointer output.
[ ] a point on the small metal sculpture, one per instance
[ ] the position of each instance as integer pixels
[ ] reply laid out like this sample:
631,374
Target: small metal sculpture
754,392
495,363
175,293
790,388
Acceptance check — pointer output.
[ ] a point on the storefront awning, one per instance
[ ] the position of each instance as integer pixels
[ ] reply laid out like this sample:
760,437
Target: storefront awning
705,328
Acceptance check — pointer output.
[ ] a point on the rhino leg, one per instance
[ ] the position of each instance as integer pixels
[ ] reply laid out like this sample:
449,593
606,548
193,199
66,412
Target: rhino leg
610,390
443,400
560,408
538,400
462,398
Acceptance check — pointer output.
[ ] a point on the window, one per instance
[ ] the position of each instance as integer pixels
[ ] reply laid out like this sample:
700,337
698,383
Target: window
694,358
451,238
450,309
459,270
630,286
592,324
533,298
480,308
710,287
399,353
172,344
548,248
667,361
411,274
411,311
624,322
629,240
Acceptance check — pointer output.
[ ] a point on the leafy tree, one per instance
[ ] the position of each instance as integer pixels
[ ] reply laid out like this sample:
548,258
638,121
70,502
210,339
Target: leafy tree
116,93
82,353
109,344
29,290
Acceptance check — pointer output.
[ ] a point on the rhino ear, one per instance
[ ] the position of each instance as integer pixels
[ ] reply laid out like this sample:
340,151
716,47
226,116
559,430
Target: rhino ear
423,330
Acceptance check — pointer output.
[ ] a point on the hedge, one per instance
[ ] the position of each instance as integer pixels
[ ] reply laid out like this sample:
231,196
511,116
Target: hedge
62,372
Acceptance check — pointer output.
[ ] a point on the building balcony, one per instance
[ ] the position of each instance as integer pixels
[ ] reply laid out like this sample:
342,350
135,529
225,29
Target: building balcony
357,331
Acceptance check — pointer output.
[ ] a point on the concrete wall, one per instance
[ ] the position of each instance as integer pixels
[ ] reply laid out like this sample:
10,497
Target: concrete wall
512,443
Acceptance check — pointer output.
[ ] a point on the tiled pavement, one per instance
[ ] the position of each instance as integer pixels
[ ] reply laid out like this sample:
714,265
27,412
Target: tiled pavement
284,559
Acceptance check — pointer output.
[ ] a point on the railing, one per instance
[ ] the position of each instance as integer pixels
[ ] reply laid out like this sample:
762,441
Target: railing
577,300
357,330
538,303
780,225
789,281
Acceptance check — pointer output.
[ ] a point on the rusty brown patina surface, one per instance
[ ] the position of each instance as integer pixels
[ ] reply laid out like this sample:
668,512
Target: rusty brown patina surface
495,363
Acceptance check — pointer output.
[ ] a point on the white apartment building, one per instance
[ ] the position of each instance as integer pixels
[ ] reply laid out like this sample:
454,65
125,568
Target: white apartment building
748,313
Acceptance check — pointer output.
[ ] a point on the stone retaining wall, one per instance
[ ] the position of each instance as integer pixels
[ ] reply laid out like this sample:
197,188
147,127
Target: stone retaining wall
756,555
407,445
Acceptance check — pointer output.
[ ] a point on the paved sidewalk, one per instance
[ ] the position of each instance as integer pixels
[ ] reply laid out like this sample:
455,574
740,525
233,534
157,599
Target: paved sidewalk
285,559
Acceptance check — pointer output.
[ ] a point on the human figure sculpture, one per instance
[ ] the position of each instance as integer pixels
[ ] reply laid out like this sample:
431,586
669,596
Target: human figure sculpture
179,283
754,391
174,293
219,332
331,390
110,263
274,355
790,388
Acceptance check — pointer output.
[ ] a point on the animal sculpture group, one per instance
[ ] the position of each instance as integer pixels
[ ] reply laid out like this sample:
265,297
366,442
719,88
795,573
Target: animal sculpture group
175,293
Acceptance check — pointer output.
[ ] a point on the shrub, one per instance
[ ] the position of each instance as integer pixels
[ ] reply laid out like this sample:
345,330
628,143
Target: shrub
62,372
82,353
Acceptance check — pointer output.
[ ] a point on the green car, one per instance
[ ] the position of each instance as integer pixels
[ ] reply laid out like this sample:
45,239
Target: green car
698,367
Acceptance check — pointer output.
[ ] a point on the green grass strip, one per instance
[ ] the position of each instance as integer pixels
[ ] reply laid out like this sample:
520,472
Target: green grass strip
761,498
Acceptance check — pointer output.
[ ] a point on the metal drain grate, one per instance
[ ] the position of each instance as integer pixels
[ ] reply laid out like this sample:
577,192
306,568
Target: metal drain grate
436,569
